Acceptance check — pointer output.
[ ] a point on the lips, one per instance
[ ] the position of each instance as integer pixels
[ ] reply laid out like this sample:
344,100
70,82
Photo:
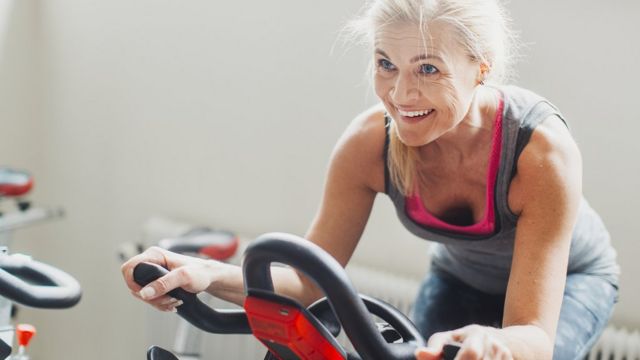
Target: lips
415,116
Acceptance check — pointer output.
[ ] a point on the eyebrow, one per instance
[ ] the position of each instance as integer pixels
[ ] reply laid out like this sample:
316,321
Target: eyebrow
413,59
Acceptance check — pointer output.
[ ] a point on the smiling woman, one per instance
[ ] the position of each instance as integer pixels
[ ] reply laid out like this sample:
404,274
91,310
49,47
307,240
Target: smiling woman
489,172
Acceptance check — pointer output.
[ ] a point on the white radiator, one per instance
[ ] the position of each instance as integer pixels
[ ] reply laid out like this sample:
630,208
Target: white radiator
617,344
399,291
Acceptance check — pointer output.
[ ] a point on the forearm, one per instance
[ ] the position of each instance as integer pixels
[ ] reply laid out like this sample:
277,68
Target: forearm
228,284
526,342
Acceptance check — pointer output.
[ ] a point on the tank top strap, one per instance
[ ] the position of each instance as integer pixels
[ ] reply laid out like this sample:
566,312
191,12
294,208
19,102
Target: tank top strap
523,112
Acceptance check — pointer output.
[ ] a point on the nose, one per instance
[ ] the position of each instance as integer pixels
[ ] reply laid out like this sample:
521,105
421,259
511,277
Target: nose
405,89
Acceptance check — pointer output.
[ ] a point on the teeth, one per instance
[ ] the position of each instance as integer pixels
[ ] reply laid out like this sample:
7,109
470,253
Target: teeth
414,113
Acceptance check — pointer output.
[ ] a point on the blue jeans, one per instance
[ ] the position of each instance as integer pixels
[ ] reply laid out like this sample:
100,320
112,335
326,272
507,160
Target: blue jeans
446,303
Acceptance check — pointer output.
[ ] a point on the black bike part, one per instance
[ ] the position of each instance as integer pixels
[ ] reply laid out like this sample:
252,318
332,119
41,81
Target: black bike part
449,351
322,310
32,283
333,280
158,353
5,350
389,334
193,309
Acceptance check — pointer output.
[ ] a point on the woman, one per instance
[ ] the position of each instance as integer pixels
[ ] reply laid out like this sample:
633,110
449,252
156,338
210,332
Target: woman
490,173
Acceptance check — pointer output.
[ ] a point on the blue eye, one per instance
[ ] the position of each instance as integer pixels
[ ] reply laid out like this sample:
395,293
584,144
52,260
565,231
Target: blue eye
386,65
428,69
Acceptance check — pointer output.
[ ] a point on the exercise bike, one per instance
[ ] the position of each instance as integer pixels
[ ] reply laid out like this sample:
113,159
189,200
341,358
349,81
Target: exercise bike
14,187
200,241
31,283
23,280
15,184
287,329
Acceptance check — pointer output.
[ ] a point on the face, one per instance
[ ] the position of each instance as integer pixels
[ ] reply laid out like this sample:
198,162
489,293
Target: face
425,81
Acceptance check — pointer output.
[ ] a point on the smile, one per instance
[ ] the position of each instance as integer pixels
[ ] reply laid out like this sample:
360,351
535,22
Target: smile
415,113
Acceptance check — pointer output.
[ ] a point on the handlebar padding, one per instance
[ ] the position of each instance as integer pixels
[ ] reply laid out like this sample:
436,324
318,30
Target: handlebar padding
193,309
47,287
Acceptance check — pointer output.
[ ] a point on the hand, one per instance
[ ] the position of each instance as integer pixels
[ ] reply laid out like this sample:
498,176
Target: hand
478,343
190,273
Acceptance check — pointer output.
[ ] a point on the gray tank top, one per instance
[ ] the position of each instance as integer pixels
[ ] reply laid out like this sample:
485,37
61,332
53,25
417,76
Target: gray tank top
484,262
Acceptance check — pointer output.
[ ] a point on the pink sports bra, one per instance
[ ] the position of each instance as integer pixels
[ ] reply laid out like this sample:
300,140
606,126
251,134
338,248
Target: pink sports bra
417,212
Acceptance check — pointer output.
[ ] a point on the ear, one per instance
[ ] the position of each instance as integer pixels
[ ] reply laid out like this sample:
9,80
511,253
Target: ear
483,72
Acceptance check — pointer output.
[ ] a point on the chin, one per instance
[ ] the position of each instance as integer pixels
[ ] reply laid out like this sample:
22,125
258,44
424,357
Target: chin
413,141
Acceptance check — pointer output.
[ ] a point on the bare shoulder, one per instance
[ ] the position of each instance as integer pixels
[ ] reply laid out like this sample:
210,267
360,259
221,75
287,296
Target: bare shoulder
550,160
360,148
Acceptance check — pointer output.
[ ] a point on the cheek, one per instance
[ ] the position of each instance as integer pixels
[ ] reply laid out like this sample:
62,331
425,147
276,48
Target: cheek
382,86
445,97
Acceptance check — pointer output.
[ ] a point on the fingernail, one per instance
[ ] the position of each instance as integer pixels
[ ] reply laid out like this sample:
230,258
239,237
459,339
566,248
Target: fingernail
174,310
180,302
147,292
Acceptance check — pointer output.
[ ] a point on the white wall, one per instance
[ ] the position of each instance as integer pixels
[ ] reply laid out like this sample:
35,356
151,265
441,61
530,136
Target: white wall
583,56
225,114
20,97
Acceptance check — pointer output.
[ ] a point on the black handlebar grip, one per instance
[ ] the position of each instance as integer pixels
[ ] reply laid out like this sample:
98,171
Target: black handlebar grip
449,351
193,309
46,286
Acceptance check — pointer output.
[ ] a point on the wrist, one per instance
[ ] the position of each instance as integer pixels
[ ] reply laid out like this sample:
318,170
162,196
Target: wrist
221,276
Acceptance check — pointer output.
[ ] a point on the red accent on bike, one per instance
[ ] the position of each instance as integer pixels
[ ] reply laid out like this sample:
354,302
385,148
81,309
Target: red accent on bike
16,189
221,252
24,333
286,326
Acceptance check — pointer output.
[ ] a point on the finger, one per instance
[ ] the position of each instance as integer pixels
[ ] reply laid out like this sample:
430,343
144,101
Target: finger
153,255
438,340
172,280
159,302
472,347
500,352
170,307
492,349
428,353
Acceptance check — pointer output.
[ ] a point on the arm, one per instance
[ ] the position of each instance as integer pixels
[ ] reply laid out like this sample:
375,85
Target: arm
550,188
355,175
546,194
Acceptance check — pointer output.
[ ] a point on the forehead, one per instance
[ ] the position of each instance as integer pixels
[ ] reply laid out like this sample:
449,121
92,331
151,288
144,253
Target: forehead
407,40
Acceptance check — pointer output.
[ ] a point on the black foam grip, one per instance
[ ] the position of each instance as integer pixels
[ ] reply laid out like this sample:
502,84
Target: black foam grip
193,309
36,284
449,351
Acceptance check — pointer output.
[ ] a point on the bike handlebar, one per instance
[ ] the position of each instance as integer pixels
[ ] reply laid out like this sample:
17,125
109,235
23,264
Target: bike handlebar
331,277
36,284
193,310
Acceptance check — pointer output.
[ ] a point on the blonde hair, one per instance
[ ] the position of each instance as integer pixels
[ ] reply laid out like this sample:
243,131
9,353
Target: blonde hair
481,28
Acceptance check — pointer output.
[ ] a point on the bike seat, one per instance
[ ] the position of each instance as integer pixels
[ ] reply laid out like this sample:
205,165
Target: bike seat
14,182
